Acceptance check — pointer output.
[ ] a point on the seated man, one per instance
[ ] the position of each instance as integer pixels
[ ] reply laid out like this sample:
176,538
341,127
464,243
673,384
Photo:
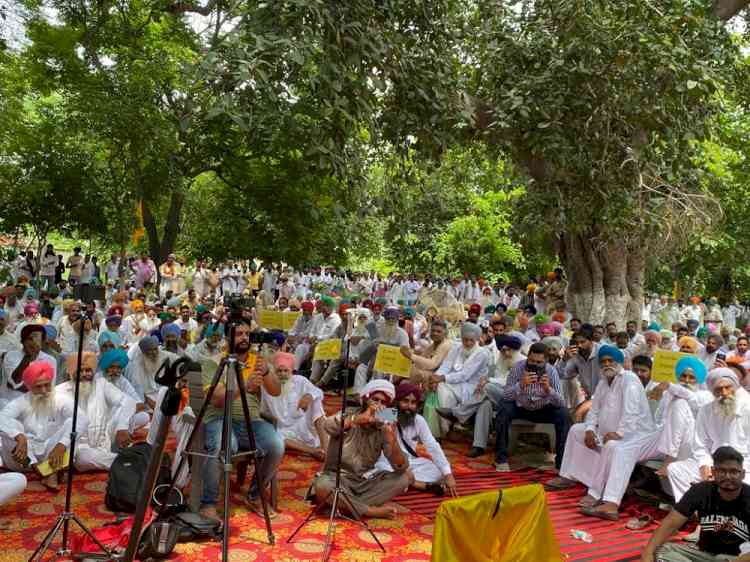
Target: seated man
298,410
144,361
722,505
35,427
300,331
269,443
107,409
324,326
365,438
111,367
725,421
619,414
15,361
389,334
462,369
429,468
532,393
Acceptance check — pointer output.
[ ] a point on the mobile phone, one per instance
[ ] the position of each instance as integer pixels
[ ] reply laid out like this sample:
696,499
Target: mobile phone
387,415
721,356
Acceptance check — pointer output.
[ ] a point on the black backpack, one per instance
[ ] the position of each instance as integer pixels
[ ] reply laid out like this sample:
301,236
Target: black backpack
126,477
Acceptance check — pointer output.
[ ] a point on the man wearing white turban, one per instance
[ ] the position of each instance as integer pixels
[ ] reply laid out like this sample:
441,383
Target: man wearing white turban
723,422
460,372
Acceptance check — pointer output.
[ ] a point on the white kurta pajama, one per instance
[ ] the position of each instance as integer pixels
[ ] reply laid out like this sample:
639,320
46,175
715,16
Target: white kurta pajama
712,430
621,408
43,432
291,422
462,372
425,470
322,328
139,373
108,410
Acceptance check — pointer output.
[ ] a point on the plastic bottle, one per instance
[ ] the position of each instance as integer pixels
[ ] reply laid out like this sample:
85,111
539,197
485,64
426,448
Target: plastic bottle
581,535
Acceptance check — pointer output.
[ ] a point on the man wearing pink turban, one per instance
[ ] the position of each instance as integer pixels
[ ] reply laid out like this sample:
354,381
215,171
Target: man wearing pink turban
298,409
36,426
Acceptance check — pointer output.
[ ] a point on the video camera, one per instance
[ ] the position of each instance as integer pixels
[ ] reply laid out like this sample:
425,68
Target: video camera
236,304
87,293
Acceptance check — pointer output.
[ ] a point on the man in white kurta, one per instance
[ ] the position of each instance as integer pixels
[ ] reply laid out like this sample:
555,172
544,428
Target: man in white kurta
300,332
427,463
107,409
298,410
324,327
599,451
459,374
144,361
36,426
723,422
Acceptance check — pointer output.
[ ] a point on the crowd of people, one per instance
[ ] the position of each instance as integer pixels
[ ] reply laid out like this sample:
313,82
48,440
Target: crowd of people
481,354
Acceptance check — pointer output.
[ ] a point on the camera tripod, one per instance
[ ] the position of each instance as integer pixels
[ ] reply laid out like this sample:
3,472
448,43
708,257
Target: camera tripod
338,494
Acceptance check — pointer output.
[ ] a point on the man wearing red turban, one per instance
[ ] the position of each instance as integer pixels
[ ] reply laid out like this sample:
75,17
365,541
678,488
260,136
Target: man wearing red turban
35,427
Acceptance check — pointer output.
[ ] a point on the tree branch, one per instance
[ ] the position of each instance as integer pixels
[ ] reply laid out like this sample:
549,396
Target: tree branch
727,9
190,8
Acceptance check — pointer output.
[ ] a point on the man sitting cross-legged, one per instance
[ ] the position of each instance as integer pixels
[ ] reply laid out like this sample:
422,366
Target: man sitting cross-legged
108,411
619,414
35,427
430,469
365,438
298,409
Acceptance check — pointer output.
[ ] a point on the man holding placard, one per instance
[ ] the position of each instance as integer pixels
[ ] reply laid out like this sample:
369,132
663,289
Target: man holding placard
323,327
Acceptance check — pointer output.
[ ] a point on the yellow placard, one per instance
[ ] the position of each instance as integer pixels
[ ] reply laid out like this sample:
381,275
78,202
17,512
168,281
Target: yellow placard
327,349
271,319
289,317
664,364
390,360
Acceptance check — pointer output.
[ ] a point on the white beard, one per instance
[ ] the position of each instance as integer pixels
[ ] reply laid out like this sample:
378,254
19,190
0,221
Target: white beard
151,366
389,332
465,353
84,390
286,387
43,405
727,407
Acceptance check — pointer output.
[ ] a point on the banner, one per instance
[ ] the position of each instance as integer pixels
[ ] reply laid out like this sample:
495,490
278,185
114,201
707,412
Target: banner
289,318
664,364
270,319
327,349
390,360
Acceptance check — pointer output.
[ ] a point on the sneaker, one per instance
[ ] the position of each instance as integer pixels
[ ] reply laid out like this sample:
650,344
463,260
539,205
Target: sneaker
475,452
502,467
694,536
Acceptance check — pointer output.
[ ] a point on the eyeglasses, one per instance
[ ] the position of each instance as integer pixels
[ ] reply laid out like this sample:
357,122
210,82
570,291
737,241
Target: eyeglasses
731,472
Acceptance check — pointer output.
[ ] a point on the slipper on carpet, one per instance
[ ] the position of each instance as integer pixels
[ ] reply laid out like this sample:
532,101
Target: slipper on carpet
638,523
606,515
558,484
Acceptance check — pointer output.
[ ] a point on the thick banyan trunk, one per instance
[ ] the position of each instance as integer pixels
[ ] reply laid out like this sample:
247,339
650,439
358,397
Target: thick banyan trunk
605,280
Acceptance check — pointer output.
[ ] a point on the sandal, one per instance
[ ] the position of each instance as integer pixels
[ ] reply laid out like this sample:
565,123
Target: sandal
638,523
598,513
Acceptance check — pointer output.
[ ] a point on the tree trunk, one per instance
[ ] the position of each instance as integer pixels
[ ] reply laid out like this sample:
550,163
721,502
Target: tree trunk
159,249
605,281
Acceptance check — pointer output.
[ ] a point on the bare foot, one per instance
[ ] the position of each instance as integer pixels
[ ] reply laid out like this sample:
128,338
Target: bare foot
50,482
319,454
382,512
398,507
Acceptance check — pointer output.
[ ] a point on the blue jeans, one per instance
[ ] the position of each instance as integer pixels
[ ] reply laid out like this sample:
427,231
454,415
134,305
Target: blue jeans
270,447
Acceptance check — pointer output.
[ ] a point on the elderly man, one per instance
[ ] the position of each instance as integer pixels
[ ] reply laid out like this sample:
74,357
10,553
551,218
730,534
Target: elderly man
301,330
209,348
461,371
390,334
15,362
170,335
533,393
107,409
144,361
429,468
298,410
324,327
112,365
365,437
36,427
619,414
724,421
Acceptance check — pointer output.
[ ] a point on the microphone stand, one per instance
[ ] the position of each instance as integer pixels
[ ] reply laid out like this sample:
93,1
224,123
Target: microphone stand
338,491
67,515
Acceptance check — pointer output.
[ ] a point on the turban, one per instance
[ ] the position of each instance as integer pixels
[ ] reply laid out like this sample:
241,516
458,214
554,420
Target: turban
693,363
328,301
475,309
109,337
377,307
379,385
530,287
283,361
367,303
702,332
30,309
716,375
29,294
29,329
381,301
166,317
540,319
409,312
692,322
308,306
391,312
170,329
551,275
511,342
115,310
654,327
174,302
469,330
214,328
490,309
545,330
51,331
200,309
37,371
139,420
278,338
113,356
148,343
668,334
343,307
553,342
114,320
406,388
690,342
611,351
88,359
136,306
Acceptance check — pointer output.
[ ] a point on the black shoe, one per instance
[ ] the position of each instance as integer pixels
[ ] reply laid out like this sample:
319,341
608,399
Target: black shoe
475,452
446,413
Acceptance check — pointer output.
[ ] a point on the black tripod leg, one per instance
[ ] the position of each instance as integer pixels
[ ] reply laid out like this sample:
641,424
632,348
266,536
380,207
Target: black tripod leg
88,533
254,453
44,545
360,520
318,508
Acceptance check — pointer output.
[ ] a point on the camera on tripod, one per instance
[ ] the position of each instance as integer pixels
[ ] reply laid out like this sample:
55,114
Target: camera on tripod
87,293
237,304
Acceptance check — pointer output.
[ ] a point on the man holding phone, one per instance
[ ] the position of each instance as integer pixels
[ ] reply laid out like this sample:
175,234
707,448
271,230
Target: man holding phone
532,393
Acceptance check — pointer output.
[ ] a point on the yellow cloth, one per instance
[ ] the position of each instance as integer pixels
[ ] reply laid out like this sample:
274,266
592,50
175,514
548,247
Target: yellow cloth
521,531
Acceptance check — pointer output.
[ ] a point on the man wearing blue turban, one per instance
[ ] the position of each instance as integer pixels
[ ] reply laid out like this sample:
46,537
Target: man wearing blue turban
112,366
602,451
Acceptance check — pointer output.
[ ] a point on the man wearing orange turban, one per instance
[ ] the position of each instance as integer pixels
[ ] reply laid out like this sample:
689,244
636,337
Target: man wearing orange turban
35,428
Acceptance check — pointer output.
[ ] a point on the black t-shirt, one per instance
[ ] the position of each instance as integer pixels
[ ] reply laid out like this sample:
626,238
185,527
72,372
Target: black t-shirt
724,524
